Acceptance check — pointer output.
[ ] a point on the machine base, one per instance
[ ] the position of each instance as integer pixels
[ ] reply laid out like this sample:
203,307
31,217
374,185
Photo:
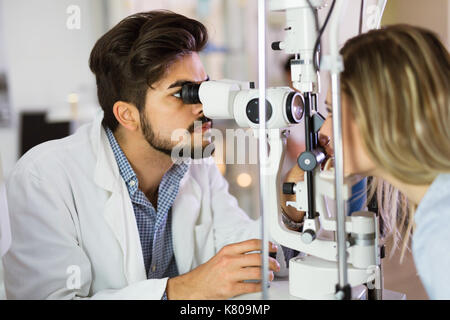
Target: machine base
279,290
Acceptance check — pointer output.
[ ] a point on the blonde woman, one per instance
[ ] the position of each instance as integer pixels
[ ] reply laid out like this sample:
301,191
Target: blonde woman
396,128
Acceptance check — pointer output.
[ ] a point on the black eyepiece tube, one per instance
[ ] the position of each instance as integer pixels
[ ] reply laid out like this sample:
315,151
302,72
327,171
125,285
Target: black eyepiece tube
189,93
276,45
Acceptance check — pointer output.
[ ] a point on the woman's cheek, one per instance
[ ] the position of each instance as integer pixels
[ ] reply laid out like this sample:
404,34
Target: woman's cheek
351,149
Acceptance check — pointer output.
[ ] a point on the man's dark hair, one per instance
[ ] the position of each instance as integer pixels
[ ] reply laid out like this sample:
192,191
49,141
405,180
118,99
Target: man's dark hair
137,52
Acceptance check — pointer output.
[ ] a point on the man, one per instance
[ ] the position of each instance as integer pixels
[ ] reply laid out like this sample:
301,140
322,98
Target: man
105,213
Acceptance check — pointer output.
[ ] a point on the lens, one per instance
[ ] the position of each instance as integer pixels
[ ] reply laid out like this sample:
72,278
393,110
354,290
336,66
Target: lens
189,93
294,107
297,108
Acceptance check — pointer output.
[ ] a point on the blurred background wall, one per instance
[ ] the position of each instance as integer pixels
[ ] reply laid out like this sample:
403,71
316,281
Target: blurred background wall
432,15
45,46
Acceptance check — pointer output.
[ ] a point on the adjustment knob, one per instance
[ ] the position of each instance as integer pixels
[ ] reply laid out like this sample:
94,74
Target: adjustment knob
276,45
288,188
308,236
309,160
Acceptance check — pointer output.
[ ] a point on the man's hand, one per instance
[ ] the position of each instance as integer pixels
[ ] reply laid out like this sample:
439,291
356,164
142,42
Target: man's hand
294,175
223,275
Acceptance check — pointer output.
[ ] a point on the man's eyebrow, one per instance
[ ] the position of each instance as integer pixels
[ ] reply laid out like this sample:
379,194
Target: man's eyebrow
328,103
180,83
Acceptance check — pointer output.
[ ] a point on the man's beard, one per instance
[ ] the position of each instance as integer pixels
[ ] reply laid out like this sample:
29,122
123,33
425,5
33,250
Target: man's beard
165,146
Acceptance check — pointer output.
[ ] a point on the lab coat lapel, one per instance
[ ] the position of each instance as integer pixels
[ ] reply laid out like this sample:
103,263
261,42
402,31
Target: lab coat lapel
106,171
185,212
119,215
118,212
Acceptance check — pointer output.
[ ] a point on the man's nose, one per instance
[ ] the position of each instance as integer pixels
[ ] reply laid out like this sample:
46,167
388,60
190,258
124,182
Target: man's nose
197,109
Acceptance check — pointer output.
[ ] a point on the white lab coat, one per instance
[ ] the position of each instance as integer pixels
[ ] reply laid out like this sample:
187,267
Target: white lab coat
74,233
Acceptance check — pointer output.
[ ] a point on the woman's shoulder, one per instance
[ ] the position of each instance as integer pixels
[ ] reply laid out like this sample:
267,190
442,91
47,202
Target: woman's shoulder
435,205
432,217
431,239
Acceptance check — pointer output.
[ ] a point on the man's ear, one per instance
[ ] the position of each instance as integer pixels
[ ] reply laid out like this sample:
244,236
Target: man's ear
127,115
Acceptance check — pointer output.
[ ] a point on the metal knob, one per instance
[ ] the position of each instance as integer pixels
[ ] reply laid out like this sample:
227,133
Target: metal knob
308,236
276,45
288,188
309,160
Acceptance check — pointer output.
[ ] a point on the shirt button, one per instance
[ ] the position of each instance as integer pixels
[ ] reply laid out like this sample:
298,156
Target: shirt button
132,183
154,268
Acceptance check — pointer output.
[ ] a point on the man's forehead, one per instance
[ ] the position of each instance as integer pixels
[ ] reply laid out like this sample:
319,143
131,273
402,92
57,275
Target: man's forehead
186,69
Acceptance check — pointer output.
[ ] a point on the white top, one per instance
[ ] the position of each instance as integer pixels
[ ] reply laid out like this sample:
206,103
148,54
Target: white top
431,240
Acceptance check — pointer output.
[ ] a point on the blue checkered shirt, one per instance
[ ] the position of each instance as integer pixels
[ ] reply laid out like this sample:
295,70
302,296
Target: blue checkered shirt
155,226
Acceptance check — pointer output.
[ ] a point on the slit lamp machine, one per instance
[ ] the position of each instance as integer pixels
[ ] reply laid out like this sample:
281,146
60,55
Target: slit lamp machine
345,264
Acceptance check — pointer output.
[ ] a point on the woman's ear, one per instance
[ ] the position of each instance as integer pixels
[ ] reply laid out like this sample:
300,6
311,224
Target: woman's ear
127,115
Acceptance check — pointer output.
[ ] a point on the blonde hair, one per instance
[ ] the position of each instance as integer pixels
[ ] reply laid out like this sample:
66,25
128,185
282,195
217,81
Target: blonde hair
397,80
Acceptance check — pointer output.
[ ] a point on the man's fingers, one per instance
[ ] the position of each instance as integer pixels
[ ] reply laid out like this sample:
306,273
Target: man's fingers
254,260
247,287
248,246
252,273
245,246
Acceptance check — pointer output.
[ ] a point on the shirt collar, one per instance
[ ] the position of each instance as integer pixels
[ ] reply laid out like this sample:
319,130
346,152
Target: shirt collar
125,169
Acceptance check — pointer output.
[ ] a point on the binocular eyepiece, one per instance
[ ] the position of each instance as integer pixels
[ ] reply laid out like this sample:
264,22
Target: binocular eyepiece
239,101
189,93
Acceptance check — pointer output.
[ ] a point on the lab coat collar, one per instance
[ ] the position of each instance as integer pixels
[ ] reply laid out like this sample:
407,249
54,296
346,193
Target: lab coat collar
118,212
185,212
106,173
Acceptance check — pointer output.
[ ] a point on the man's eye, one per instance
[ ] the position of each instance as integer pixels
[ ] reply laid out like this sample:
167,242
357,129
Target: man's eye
177,94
